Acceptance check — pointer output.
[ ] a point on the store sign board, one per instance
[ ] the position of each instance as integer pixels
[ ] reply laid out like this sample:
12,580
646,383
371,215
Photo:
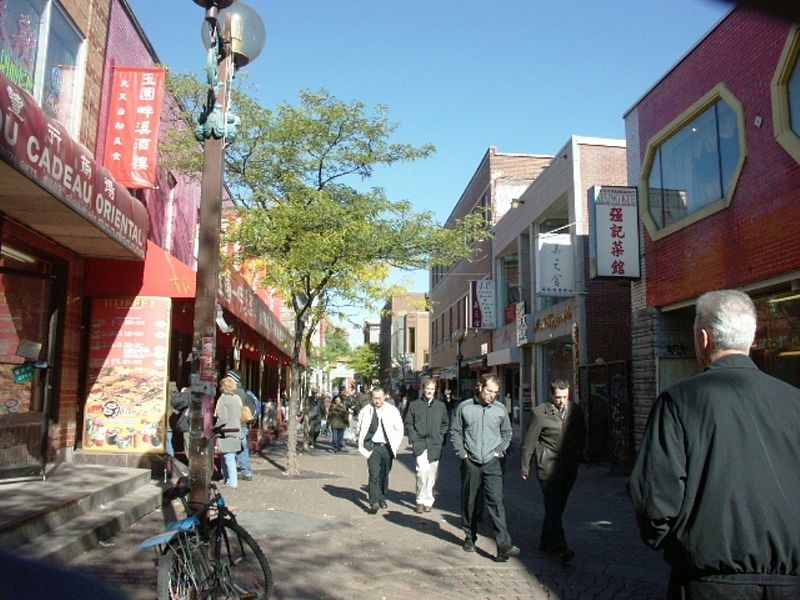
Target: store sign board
482,314
555,265
41,149
127,378
614,232
134,116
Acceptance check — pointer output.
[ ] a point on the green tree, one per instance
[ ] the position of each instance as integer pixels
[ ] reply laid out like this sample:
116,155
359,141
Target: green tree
365,361
324,243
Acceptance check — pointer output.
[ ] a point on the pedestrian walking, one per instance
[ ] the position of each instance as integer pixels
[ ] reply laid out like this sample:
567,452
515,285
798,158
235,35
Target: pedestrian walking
380,433
426,426
228,413
481,434
555,439
337,420
716,482
243,456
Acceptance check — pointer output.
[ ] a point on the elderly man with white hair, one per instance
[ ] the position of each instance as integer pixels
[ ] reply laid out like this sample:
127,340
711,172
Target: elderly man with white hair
716,483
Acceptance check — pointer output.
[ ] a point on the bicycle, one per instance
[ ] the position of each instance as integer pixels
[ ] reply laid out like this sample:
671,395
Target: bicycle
218,560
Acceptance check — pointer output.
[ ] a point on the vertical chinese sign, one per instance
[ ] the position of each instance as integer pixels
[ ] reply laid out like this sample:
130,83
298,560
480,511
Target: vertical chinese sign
555,265
133,122
614,232
482,313
126,403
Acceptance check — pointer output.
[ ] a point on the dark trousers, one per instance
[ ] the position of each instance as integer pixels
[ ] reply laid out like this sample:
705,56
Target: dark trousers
483,481
379,464
556,492
336,438
714,590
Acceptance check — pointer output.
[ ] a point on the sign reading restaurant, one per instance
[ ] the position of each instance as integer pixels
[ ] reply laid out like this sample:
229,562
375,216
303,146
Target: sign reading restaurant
42,149
614,232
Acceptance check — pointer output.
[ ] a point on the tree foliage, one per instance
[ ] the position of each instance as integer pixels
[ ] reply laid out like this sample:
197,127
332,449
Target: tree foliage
323,239
365,361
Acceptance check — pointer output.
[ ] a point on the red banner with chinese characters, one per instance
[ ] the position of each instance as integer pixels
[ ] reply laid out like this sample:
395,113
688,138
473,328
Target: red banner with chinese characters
134,116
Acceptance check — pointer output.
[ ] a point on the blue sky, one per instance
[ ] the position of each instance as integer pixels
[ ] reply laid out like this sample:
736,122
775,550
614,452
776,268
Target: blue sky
521,75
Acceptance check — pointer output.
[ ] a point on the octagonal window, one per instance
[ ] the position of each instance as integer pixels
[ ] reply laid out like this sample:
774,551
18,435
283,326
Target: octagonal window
695,166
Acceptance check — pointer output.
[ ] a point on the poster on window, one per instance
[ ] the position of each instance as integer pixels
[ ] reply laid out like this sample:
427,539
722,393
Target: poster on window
133,121
555,265
614,232
482,304
127,379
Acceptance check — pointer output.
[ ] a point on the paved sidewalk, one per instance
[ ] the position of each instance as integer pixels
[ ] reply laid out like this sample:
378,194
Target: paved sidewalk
322,544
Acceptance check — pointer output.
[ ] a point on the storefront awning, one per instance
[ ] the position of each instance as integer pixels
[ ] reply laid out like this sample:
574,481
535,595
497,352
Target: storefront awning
161,274
52,184
504,356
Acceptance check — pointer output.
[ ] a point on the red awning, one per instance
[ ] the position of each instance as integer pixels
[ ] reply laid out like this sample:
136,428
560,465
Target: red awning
161,274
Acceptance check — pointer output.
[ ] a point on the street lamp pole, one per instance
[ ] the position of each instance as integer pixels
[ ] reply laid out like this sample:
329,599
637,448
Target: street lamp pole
222,32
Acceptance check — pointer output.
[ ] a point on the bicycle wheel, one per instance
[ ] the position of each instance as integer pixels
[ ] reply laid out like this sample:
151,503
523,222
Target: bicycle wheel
245,571
184,571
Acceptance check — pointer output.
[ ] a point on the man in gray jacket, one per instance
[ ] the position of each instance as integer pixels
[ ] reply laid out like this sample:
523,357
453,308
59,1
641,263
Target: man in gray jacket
481,434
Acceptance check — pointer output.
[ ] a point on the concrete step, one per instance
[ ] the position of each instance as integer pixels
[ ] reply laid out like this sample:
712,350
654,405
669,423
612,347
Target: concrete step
86,531
31,509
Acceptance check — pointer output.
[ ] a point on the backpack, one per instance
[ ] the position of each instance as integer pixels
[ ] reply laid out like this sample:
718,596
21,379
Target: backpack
180,421
247,414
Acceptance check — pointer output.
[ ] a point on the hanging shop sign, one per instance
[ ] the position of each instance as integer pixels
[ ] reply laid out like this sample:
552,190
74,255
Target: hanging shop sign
127,378
482,314
555,265
522,324
131,149
41,149
614,232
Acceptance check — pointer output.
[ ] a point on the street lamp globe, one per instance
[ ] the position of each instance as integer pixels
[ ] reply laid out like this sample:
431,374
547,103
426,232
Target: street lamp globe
247,33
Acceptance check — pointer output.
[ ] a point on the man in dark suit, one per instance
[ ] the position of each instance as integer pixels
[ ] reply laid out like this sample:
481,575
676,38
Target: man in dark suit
716,483
555,438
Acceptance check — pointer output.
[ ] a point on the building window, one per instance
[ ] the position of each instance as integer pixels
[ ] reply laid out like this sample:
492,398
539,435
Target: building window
42,52
412,340
786,96
692,166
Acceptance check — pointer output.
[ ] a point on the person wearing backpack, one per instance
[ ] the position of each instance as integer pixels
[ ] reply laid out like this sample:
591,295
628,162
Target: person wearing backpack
249,410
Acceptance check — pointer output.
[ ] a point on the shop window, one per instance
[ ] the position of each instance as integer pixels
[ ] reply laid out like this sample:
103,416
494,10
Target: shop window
41,51
786,96
691,167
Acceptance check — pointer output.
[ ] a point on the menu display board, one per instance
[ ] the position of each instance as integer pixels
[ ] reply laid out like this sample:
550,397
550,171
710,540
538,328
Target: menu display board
128,371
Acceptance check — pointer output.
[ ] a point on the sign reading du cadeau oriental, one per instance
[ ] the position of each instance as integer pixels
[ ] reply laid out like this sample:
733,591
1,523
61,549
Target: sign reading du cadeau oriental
41,149
482,304
614,232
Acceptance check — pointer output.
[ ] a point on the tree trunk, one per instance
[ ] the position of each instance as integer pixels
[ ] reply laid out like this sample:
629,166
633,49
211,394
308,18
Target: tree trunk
292,460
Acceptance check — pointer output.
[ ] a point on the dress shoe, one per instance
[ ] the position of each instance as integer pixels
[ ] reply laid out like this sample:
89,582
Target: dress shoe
427,508
418,509
469,545
372,509
566,555
503,554
383,504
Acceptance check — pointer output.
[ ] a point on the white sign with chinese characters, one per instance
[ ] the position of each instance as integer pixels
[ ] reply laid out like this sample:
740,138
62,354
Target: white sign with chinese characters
614,233
482,304
555,265
522,324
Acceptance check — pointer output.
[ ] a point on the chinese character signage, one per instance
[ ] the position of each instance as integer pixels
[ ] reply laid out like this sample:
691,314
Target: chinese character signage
133,122
127,379
522,324
555,265
41,149
482,304
614,232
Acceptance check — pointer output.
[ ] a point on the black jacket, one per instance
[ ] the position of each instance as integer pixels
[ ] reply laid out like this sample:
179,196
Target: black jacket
426,426
555,443
717,479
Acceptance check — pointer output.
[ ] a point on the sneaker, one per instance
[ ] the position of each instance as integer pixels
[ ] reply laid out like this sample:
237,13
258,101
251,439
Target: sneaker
426,508
418,509
246,477
373,509
503,554
383,504
469,545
